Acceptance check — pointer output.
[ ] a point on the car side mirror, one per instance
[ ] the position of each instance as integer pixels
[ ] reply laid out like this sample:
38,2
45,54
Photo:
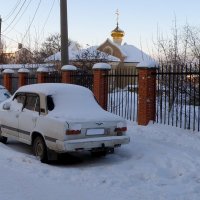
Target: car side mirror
6,106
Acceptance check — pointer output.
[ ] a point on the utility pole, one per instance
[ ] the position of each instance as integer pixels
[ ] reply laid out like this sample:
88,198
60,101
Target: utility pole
0,35
64,33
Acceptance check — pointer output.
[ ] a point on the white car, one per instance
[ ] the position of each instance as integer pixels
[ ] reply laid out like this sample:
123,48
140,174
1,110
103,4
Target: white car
57,118
4,94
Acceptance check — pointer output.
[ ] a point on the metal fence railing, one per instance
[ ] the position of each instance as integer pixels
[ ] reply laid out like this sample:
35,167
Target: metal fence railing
53,78
14,82
31,79
178,96
83,78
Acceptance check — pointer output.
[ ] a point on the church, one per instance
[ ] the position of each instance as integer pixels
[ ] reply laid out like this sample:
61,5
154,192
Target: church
129,55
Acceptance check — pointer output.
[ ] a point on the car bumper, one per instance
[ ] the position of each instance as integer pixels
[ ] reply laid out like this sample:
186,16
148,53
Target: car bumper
92,143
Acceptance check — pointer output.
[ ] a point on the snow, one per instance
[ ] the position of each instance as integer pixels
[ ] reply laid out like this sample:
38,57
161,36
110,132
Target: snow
57,56
148,64
131,53
69,67
23,70
161,162
4,94
101,66
28,66
42,69
90,53
72,49
8,71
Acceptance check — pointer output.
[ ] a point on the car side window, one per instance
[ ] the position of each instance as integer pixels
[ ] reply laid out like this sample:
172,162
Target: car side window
32,102
50,103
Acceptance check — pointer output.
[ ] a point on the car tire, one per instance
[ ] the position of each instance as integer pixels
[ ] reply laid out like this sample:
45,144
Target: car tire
3,139
98,153
40,149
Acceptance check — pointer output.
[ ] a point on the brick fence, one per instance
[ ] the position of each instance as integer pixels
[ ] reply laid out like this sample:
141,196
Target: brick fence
146,86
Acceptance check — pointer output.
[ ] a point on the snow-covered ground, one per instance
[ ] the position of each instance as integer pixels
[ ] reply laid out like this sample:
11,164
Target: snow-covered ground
161,162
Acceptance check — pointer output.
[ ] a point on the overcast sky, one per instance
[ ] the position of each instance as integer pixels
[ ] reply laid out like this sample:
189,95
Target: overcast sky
91,21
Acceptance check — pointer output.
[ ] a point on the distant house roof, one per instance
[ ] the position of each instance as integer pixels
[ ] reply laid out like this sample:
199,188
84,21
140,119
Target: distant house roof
23,50
72,49
90,53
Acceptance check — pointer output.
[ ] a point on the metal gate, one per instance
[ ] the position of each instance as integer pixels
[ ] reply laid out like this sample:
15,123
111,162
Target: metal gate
123,93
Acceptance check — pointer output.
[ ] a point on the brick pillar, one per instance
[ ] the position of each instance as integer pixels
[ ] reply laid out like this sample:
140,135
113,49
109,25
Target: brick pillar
67,71
7,79
146,95
100,87
23,75
42,72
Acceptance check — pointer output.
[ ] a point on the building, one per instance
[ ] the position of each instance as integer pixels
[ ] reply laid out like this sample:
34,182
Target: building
21,56
129,55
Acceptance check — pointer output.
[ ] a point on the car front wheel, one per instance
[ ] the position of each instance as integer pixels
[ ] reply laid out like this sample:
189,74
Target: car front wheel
40,149
3,139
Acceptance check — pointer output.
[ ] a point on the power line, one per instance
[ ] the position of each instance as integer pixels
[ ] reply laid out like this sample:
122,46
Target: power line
12,11
15,30
45,23
17,42
32,20
9,38
20,16
15,16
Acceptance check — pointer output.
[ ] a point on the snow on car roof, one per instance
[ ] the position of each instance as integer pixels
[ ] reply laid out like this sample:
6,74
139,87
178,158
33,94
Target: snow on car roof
52,88
73,103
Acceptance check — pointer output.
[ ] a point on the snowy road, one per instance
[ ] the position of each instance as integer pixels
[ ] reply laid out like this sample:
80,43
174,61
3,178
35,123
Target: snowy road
161,163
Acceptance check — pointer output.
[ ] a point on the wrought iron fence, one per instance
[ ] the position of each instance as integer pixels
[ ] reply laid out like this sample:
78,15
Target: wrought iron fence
31,79
178,96
123,93
83,78
1,79
14,82
54,77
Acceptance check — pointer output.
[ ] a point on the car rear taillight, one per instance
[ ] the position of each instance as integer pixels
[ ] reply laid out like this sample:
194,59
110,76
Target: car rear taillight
73,132
121,129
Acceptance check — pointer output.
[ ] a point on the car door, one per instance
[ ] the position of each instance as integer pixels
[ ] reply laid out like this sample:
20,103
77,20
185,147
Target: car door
28,117
9,120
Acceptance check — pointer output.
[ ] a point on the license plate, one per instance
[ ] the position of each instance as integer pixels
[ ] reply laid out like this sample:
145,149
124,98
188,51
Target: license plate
95,132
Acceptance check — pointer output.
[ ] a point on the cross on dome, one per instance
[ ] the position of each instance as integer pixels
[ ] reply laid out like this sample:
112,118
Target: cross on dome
117,34
117,14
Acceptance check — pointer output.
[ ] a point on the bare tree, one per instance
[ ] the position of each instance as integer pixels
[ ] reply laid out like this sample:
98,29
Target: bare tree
179,53
88,57
50,46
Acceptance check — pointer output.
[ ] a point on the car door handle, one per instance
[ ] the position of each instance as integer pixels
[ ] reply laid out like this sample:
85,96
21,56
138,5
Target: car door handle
17,115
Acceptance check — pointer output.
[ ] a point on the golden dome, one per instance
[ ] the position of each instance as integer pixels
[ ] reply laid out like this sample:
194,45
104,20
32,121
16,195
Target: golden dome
117,33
